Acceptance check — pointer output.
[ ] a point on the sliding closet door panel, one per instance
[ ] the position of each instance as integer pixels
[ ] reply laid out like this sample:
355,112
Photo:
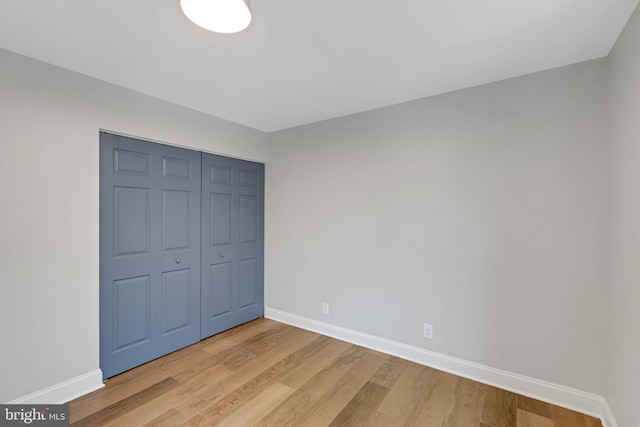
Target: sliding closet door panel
219,233
149,251
250,241
232,243
179,251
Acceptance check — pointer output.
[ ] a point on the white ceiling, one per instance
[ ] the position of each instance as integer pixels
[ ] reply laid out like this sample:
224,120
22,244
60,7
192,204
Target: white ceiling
302,61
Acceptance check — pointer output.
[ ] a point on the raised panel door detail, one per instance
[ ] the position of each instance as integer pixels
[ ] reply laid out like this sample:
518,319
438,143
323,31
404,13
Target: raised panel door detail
221,174
248,219
176,297
150,252
176,168
131,221
131,311
232,243
175,219
220,226
219,289
248,178
248,282
131,162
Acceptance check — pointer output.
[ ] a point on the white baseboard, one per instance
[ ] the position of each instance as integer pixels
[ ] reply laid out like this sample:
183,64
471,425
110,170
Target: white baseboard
608,420
65,391
556,394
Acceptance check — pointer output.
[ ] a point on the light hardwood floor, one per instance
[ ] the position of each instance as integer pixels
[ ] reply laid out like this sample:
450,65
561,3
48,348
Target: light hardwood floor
265,373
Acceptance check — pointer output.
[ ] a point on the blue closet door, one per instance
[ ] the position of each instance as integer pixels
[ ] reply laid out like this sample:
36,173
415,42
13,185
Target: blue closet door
150,215
232,243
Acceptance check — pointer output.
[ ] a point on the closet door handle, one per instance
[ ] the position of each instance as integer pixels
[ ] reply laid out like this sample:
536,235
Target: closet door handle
221,255
178,261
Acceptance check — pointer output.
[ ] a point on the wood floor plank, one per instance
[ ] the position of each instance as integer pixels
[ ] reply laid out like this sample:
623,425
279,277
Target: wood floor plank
117,390
401,399
238,334
205,382
325,409
322,358
534,406
166,363
438,402
203,405
567,418
499,408
152,367
389,372
203,399
170,418
300,406
287,412
592,421
256,408
378,419
469,399
238,397
530,419
241,359
293,408
361,407
261,343
128,404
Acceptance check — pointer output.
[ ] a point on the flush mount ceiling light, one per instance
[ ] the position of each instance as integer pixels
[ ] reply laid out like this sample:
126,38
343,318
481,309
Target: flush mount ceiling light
221,16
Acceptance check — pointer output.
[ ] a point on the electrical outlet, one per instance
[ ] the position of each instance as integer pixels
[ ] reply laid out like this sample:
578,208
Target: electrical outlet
428,331
325,308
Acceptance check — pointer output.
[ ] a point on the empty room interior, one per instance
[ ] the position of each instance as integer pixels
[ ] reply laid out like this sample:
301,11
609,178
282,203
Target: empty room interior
339,213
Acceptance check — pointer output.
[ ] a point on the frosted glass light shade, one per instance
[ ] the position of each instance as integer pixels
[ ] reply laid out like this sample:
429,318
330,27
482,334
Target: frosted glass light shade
221,16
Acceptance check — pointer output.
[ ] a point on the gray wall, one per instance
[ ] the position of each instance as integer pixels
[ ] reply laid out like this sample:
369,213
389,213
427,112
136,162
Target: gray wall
49,122
623,362
482,212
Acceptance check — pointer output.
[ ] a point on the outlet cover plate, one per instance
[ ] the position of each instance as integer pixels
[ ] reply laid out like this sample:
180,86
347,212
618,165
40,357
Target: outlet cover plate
428,331
325,308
